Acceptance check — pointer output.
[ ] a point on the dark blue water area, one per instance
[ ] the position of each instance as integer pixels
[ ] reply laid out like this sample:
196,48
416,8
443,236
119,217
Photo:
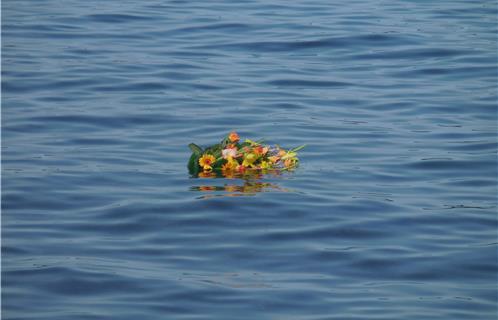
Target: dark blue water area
392,213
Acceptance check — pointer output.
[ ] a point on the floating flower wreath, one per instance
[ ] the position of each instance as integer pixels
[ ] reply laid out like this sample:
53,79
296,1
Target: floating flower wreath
232,157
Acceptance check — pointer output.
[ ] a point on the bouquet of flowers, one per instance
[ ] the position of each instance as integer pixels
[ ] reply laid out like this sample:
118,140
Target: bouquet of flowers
231,157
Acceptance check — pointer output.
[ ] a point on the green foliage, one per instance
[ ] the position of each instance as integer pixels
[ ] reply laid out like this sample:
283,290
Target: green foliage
193,162
297,149
215,150
195,148
224,143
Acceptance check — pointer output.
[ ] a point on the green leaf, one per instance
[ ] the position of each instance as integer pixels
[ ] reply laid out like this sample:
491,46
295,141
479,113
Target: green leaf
195,149
214,150
193,164
298,148
225,142
218,163
289,155
251,143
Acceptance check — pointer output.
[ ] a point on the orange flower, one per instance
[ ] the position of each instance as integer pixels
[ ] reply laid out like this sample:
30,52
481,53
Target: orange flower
290,163
274,159
259,150
246,149
233,137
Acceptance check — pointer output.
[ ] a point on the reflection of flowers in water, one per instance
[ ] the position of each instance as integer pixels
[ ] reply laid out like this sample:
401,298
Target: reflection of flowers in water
250,186
207,175
247,174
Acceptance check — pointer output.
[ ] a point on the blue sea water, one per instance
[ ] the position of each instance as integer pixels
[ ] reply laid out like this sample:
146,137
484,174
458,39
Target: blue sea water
391,215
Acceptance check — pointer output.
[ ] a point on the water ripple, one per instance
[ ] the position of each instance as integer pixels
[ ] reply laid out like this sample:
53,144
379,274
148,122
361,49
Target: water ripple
391,214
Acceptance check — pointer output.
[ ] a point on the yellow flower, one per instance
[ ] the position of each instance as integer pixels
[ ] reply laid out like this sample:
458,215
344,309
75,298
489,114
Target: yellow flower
249,160
233,162
265,165
206,162
229,166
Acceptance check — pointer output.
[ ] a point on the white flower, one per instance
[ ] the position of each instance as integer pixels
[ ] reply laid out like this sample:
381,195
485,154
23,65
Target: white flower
229,152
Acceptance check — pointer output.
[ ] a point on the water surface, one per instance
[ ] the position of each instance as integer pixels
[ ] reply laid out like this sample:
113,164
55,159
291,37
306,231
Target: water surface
392,214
